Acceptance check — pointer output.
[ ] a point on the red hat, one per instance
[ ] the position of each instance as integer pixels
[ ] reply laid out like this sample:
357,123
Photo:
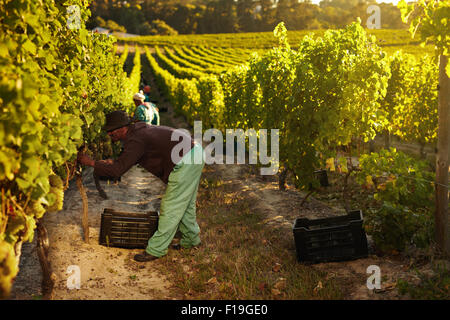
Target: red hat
147,89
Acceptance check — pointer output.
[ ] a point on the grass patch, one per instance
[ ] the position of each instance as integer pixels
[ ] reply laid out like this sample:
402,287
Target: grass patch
430,287
241,257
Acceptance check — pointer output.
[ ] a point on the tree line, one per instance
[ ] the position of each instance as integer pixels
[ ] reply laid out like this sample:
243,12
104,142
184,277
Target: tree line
147,17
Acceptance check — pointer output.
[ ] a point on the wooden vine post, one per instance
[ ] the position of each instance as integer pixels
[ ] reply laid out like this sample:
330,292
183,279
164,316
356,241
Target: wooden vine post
84,214
48,277
427,20
442,227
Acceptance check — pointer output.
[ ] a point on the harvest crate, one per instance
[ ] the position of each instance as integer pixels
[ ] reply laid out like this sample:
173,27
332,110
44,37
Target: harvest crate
322,176
127,229
330,239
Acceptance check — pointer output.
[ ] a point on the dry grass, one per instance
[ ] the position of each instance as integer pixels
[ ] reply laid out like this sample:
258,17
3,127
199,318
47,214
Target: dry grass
241,257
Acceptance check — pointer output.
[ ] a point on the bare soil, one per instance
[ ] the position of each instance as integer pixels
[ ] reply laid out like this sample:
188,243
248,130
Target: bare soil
106,273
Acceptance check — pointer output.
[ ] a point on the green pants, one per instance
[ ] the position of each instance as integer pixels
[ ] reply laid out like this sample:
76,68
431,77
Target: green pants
178,205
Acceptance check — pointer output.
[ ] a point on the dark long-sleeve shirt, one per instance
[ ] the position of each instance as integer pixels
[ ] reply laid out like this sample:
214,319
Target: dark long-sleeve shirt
149,146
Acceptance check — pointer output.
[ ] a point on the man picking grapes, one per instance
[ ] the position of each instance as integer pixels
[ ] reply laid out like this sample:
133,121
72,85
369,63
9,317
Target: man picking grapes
154,148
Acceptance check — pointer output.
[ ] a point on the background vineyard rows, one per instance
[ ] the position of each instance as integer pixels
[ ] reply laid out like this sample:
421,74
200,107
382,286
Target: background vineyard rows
391,93
389,40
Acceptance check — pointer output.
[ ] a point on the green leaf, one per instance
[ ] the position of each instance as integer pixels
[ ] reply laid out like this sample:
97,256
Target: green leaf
3,50
8,163
30,47
89,119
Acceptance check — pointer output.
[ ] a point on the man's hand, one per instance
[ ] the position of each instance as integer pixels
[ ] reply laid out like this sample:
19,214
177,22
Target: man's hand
85,160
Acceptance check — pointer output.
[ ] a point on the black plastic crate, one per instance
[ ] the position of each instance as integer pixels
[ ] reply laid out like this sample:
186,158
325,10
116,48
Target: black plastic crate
127,229
330,239
322,176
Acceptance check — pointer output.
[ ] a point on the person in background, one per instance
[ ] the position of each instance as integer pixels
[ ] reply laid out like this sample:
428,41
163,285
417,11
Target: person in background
147,90
145,111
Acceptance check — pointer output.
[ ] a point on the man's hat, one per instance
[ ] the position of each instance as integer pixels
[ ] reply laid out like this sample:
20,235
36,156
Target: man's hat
115,120
147,89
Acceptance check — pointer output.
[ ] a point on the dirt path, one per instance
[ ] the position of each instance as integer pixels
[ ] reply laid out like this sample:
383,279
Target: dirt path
106,273
283,207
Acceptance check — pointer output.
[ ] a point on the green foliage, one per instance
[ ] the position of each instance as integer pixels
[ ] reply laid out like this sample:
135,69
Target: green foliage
109,24
201,55
188,56
194,94
404,191
431,287
227,16
114,26
389,40
9,265
124,54
165,81
56,194
186,64
100,22
56,86
229,57
332,91
339,79
280,33
161,28
320,97
430,18
134,79
400,81
257,95
211,102
411,101
233,91
175,69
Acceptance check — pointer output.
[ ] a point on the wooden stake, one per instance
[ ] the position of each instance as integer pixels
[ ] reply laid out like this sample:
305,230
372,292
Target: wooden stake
442,165
84,217
48,277
282,179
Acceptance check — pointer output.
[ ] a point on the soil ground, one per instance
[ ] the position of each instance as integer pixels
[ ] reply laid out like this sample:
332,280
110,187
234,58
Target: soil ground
106,273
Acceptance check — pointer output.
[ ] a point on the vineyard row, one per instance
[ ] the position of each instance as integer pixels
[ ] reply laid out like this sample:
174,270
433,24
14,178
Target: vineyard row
56,85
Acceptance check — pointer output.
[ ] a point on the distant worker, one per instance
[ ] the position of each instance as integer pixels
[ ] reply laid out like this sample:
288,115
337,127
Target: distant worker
145,111
147,90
